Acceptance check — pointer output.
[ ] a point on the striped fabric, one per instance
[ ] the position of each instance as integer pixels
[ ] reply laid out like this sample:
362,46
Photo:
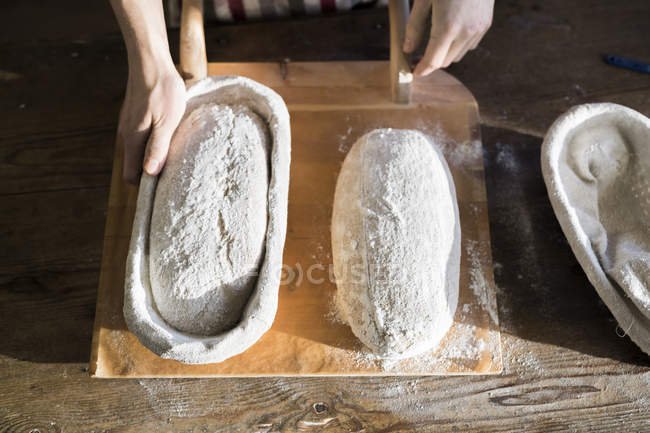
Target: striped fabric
250,10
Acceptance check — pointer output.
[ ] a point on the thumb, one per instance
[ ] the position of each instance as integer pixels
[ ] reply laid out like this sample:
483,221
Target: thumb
157,148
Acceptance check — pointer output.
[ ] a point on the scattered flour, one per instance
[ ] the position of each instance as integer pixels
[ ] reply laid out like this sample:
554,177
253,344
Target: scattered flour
457,353
517,356
479,285
344,145
459,155
165,396
334,315
506,157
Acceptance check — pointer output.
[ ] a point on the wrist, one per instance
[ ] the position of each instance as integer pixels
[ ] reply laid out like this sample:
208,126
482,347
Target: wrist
148,64
143,25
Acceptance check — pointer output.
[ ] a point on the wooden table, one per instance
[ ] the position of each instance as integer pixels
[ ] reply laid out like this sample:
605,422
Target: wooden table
565,367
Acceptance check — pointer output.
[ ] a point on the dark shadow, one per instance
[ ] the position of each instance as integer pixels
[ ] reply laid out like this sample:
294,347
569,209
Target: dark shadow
543,293
48,316
353,35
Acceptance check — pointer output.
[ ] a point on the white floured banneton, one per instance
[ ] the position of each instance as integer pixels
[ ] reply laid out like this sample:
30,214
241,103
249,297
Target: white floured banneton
596,165
396,243
205,323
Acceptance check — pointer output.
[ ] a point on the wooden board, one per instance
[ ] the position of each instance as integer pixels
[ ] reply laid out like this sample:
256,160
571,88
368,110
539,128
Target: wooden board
331,105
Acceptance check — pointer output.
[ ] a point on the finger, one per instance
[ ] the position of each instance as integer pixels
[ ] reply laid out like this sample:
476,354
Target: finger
134,144
457,50
416,25
434,55
468,46
463,52
472,43
157,148
478,39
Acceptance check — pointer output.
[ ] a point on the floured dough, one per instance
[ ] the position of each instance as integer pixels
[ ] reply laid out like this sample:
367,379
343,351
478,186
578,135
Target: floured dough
596,165
209,219
250,116
396,243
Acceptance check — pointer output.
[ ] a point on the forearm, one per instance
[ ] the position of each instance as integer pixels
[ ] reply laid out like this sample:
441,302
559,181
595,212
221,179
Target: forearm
154,101
142,24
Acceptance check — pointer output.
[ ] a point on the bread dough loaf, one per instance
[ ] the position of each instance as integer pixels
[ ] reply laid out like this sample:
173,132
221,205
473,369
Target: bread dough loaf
209,219
396,243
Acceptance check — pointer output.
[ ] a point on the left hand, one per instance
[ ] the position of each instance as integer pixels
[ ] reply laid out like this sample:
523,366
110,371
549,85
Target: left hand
153,107
457,26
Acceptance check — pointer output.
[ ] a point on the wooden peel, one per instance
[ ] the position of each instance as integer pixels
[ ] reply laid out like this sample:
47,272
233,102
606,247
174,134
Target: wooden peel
331,104
194,62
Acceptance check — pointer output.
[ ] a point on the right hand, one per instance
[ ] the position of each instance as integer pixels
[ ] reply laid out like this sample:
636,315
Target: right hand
457,26
153,107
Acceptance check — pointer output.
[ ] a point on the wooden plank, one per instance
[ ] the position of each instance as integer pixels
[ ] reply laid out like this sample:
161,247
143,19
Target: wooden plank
304,340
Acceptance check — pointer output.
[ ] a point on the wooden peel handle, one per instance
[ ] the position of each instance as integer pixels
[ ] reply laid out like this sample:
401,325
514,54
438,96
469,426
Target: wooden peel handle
194,63
400,69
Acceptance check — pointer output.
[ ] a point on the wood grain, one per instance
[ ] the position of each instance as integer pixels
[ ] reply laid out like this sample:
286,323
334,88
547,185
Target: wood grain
565,367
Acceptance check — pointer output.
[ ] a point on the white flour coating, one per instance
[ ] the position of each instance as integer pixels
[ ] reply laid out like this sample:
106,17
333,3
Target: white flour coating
596,165
209,219
141,311
396,243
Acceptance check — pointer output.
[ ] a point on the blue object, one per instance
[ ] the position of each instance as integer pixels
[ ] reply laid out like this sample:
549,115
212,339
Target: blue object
624,62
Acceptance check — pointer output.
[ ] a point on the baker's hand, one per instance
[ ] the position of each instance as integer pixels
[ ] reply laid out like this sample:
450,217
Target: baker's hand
457,26
153,107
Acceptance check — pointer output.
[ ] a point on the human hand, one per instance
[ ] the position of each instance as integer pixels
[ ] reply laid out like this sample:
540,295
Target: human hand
153,107
457,26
